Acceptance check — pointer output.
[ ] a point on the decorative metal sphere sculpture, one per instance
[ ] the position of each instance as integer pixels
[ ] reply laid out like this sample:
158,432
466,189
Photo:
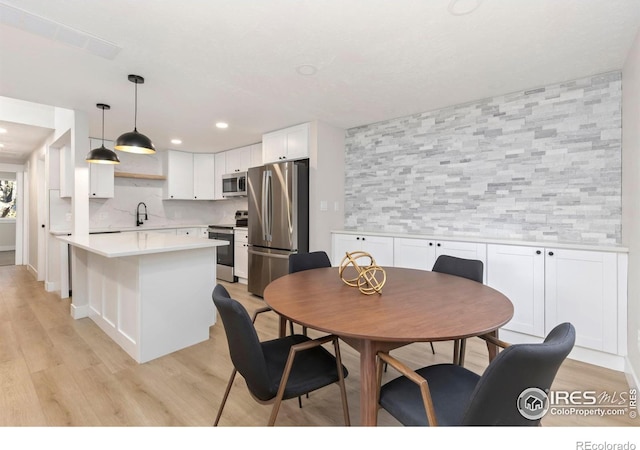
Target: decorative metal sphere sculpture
369,278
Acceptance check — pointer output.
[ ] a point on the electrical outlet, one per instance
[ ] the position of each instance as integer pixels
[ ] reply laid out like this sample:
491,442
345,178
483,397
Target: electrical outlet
323,205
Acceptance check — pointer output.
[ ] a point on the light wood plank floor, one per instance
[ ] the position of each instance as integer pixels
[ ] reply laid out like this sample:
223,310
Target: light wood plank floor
56,371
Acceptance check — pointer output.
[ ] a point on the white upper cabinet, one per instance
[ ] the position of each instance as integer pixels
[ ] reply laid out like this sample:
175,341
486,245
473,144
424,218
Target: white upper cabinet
101,178
256,155
179,185
101,181
203,176
219,170
190,176
238,159
288,144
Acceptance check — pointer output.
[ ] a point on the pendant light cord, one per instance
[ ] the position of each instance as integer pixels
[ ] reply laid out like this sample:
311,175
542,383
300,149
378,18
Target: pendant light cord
103,127
135,110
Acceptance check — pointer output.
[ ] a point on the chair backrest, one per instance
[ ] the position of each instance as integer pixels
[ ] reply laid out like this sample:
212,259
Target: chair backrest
515,369
244,346
305,261
466,268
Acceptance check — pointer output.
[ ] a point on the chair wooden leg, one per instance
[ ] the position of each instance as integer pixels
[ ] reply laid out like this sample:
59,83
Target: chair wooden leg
225,396
343,389
433,350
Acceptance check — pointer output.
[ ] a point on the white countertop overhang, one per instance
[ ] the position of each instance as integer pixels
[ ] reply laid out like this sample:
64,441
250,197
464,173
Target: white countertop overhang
114,245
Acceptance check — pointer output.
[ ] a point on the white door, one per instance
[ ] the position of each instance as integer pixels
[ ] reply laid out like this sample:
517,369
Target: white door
413,253
581,288
466,250
203,176
518,272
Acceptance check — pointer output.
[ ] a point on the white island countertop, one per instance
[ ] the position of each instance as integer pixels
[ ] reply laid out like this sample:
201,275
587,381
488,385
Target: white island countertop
114,245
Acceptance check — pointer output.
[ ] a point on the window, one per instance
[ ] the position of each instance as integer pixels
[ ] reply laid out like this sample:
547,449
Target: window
8,199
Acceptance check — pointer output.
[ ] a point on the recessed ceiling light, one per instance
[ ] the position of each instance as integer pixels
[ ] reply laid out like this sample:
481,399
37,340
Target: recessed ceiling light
307,70
222,125
462,7
176,141
1,145
3,130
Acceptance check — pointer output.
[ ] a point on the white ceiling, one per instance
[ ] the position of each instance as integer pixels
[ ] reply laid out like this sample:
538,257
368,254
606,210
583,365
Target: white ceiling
235,60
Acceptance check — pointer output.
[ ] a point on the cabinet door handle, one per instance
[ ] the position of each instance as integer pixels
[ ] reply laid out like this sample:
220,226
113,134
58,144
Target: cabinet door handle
550,253
438,244
357,238
363,239
538,252
430,243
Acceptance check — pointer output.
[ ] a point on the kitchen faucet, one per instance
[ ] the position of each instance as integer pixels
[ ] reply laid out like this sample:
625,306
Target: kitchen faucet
138,221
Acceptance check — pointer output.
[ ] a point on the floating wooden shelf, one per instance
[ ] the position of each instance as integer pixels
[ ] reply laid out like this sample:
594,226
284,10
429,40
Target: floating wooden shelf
144,176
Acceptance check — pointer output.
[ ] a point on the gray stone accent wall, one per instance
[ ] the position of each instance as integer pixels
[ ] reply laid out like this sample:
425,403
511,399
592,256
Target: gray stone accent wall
540,165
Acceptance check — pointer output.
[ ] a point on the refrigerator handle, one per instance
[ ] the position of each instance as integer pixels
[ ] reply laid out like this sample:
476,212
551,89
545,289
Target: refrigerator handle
266,205
270,205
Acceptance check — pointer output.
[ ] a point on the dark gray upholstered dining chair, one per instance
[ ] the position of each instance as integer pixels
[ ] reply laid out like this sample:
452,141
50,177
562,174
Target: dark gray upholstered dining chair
306,261
449,394
471,269
277,369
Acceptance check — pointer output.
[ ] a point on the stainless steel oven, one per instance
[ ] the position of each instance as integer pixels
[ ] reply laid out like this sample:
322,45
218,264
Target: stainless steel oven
224,267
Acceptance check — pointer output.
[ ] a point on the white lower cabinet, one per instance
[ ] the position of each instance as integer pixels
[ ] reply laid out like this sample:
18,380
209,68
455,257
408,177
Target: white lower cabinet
414,253
548,286
188,232
581,287
422,253
380,247
518,272
241,254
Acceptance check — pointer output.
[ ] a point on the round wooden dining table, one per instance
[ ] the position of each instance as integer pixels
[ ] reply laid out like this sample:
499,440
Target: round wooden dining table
414,306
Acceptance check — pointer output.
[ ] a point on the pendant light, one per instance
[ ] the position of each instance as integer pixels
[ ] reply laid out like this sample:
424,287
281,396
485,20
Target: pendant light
102,155
133,141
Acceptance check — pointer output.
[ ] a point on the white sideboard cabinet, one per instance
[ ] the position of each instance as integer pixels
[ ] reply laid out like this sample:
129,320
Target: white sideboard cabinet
549,285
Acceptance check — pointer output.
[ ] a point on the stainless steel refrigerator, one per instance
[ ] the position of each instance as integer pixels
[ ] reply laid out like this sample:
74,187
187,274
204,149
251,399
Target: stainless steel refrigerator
278,219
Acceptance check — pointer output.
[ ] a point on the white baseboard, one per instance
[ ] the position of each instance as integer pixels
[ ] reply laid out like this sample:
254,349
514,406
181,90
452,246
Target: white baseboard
52,286
632,377
242,281
595,357
32,270
7,248
79,312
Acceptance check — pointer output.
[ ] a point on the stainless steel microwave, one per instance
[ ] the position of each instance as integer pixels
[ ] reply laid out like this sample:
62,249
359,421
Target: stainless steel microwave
234,184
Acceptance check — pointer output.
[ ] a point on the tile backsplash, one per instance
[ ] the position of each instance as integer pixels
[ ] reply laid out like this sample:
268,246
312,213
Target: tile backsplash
540,165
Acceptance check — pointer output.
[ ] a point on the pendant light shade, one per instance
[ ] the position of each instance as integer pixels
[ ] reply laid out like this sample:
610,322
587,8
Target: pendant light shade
134,142
102,155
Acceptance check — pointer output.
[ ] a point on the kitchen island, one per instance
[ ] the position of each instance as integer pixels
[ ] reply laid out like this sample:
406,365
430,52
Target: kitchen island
150,292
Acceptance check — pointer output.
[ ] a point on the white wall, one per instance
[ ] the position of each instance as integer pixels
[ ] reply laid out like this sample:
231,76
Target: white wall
7,235
631,196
